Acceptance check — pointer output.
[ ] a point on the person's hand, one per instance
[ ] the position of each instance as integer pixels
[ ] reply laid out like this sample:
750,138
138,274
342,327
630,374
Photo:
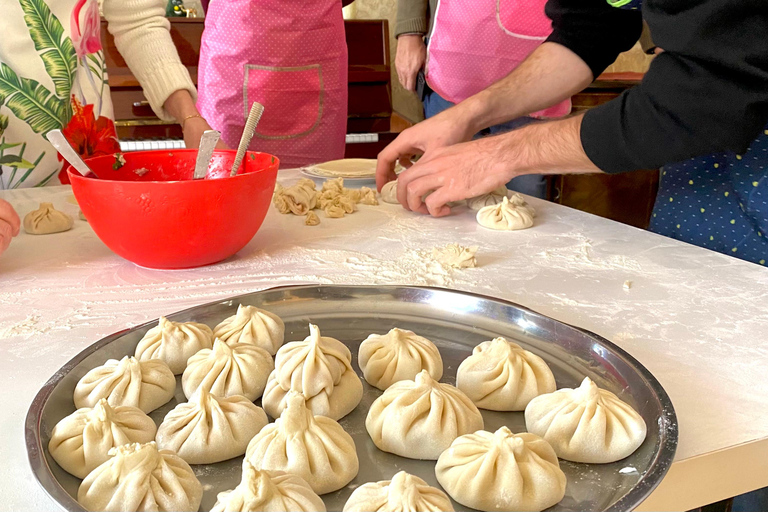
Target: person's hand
448,127
193,130
410,58
9,225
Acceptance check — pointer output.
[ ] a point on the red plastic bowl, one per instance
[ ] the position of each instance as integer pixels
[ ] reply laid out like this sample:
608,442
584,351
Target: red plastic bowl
151,212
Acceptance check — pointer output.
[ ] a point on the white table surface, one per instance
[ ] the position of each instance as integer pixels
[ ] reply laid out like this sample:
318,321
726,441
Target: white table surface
696,319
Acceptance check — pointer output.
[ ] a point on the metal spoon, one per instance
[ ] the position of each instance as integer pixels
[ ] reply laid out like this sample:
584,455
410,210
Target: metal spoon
207,144
257,109
60,142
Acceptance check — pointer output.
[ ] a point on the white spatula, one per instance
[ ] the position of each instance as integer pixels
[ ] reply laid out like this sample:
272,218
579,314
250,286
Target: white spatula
60,142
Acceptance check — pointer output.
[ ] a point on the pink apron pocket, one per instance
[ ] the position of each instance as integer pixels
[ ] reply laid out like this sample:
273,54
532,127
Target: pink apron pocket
292,99
523,18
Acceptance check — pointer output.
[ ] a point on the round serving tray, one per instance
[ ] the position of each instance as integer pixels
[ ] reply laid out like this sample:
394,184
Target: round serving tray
455,322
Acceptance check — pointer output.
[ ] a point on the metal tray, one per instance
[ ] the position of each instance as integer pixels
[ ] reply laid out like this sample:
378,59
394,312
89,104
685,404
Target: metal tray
456,322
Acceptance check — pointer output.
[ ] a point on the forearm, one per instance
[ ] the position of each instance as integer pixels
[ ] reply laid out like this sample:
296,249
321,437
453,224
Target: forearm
181,106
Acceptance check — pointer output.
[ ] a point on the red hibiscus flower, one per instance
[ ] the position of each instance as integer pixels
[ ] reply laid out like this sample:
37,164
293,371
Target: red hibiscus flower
89,136
86,37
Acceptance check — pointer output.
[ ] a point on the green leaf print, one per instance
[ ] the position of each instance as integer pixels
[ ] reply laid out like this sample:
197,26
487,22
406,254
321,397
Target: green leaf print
15,161
31,102
56,50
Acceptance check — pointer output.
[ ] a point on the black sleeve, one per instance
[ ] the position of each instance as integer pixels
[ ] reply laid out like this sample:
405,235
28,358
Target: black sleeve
593,30
707,93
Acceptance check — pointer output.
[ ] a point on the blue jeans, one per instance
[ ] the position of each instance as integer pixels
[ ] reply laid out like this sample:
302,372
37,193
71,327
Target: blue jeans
531,184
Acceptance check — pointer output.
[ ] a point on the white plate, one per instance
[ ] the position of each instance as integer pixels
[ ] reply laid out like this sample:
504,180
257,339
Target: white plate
349,168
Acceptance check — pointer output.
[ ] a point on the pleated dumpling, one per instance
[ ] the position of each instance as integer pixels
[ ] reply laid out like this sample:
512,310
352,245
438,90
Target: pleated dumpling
320,369
139,477
209,429
404,493
398,355
81,441
509,215
586,424
143,384
174,343
502,376
502,472
420,419
267,490
389,192
46,220
252,325
224,370
315,448
493,197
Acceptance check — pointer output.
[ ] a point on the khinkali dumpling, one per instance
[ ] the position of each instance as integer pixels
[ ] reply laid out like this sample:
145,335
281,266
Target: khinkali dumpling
456,256
174,343
252,325
320,369
81,441
315,448
224,370
46,220
419,419
501,471
389,192
404,493
493,197
502,376
143,384
398,355
509,215
139,477
269,491
209,429
586,424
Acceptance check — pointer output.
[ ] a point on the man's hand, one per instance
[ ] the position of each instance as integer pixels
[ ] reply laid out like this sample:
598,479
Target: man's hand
410,58
193,130
9,225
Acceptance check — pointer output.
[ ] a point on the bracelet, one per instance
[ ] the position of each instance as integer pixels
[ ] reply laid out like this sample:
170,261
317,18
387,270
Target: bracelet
184,121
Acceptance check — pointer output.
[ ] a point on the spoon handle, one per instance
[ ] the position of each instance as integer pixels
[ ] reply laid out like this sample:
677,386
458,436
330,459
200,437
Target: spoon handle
257,109
204,153
60,142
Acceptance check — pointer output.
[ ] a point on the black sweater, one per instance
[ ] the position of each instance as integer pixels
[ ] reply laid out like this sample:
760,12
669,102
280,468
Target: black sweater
708,91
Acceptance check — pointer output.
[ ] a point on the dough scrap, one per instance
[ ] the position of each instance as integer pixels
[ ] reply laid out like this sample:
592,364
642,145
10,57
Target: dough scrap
398,355
456,256
368,197
297,199
334,212
405,492
174,343
46,220
252,325
312,219
511,214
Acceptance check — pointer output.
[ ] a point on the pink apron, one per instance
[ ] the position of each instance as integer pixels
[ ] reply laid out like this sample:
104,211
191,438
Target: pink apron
289,56
474,43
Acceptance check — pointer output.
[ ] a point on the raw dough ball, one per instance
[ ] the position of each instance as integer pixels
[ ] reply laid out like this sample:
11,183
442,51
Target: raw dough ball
46,220
404,492
312,219
315,448
456,256
239,369
389,192
143,384
511,214
419,419
252,325
81,441
502,472
139,477
320,369
273,491
502,376
586,424
174,343
209,429
398,355
491,198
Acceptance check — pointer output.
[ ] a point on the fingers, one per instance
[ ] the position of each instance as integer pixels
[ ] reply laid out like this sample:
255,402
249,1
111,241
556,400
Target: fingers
6,235
416,189
401,147
9,215
437,202
410,79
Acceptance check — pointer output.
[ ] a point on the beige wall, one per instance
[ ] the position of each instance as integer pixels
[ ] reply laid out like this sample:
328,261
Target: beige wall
405,103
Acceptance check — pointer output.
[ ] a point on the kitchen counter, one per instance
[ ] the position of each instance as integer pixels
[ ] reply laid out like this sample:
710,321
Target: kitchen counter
696,319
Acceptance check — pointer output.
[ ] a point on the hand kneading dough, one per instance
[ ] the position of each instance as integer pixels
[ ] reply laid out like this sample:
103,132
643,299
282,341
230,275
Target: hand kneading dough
509,215
420,419
315,448
81,441
252,325
269,491
224,370
143,384
491,198
398,355
502,376
46,220
404,493
174,343
320,369
502,472
586,424
209,429
389,192
139,477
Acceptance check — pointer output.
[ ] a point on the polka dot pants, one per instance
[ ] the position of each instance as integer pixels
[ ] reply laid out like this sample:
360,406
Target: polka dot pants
719,202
